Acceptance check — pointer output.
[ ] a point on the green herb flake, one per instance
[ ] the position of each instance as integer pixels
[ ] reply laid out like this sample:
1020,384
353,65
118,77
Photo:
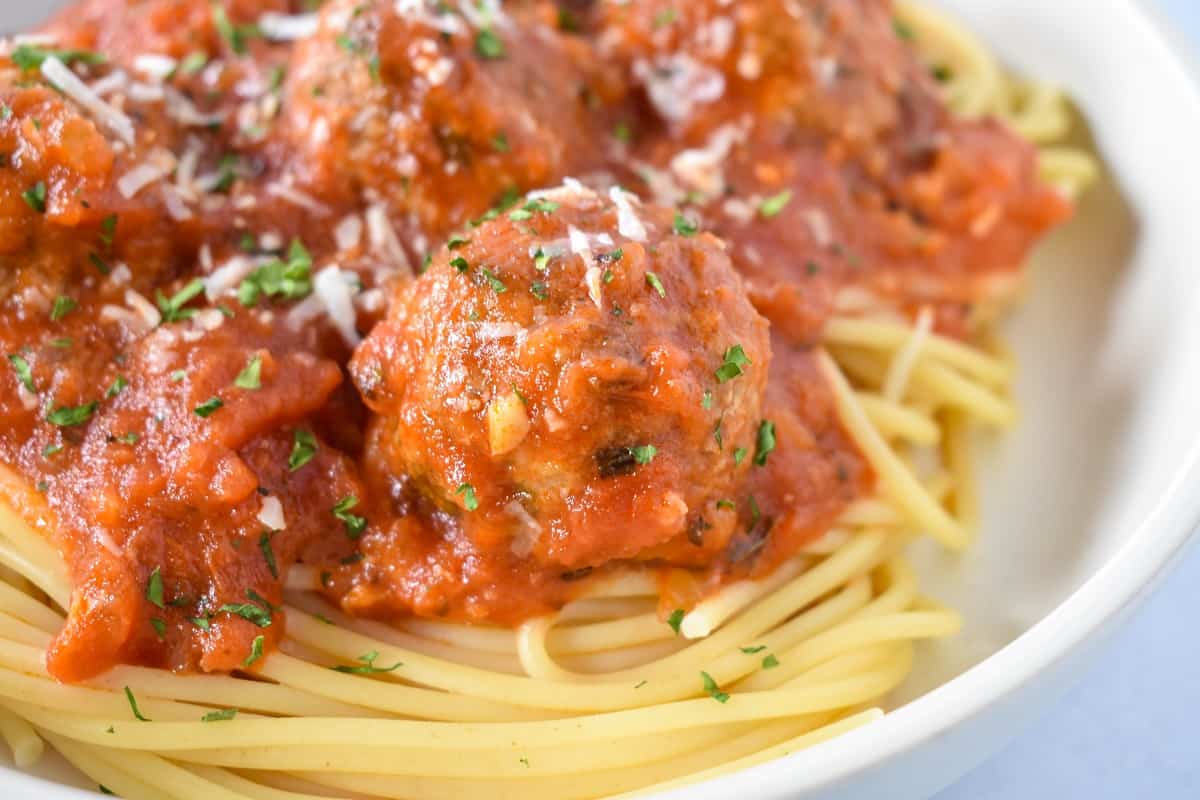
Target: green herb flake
304,447
706,402
63,305
684,226
160,627
35,197
69,416
493,281
154,588
250,378
29,57
51,449
256,650
367,665
201,622
644,454
456,242
732,363
903,30
774,204
355,525
235,36
488,45
676,619
539,289
500,142
128,438
656,284
770,662
134,706
178,375
541,261
118,385
264,544
719,435
172,308
739,455
193,62
220,716
460,264
941,73
752,650
470,501
766,442
622,132
62,342
24,372
726,503
286,280
711,687
249,612
104,789
208,407
665,17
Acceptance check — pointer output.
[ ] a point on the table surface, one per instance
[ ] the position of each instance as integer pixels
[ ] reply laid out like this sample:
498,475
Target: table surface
1127,730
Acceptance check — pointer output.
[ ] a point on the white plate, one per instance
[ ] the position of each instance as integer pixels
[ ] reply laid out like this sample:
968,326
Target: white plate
1096,492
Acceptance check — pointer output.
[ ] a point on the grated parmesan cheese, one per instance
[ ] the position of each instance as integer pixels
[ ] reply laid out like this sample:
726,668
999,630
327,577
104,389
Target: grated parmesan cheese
144,308
332,287
66,81
628,223
271,513
677,84
288,27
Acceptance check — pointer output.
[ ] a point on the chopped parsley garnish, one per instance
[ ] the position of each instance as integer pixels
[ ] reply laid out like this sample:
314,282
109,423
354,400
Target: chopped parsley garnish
250,378
24,372
460,264
470,501
608,276
676,619
264,544
752,650
623,133
99,263
706,401
256,650
289,280
500,142
656,284
941,73
68,416
539,289
51,449
541,261
665,17
249,612
766,442
133,705
368,665
35,197
488,45
726,503
172,308
770,662
209,407
226,173
29,57
739,455
355,525
201,623
732,363
62,342
104,789
644,454
640,685
718,434
527,211
771,206
811,267
714,691
193,62
234,35
457,242
154,588
160,627
304,447
63,305
108,229
684,226
118,386
219,716
128,438
497,285
755,512
903,30
178,375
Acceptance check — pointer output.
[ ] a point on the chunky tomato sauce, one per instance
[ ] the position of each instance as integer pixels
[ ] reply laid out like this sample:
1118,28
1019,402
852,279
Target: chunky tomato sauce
272,291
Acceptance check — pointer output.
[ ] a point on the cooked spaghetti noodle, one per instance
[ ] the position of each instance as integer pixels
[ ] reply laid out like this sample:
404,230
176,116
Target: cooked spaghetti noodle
601,698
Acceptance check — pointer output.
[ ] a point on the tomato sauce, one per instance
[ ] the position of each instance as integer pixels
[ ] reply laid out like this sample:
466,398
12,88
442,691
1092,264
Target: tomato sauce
202,221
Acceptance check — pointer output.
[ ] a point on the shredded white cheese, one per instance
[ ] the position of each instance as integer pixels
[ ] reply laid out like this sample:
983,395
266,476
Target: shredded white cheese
158,166
384,241
297,198
271,513
143,307
331,286
628,223
288,27
227,276
677,84
63,79
348,232
155,66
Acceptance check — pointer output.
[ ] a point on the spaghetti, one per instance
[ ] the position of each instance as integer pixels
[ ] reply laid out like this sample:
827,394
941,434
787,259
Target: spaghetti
601,698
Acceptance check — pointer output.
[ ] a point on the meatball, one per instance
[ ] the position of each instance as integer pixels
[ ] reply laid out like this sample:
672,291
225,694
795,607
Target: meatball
435,113
579,380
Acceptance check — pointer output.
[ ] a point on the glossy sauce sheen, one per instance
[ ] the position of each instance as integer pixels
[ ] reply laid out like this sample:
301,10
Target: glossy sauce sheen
456,421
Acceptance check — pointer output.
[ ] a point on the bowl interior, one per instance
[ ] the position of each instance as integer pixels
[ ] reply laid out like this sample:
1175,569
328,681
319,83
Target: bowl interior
1104,339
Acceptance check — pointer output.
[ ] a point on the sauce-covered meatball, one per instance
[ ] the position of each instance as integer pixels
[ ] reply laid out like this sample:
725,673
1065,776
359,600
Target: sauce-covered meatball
571,380
435,110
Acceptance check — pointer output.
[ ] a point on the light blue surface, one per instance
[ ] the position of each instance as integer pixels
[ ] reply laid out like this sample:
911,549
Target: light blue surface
1128,730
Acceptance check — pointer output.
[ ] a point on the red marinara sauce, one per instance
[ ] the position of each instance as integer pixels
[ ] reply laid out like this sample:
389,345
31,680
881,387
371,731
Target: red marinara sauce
272,292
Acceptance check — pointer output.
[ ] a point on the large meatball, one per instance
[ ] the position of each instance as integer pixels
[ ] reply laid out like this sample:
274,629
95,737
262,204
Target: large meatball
435,109
579,380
